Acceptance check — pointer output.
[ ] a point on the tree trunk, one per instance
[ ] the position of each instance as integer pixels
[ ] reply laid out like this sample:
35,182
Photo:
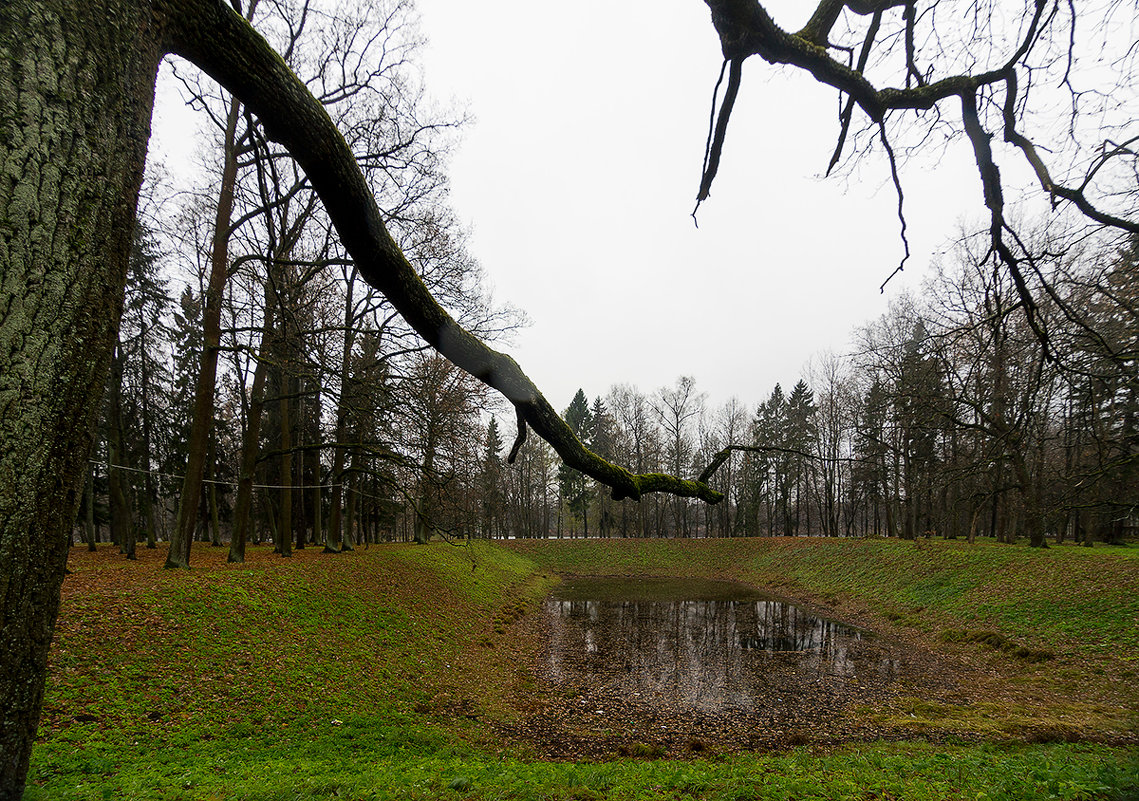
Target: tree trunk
122,524
149,494
352,502
423,508
179,555
89,503
285,521
76,91
250,448
317,514
1033,512
251,443
212,495
300,519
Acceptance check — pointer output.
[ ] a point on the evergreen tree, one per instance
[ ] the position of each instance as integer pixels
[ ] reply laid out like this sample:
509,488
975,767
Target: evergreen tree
187,333
139,405
601,441
799,439
770,436
870,474
492,491
919,393
574,486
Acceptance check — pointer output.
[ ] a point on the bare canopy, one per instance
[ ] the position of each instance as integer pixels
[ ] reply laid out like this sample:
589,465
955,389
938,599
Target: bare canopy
972,68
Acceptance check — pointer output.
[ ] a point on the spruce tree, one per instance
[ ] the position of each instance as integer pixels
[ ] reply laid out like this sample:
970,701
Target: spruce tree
574,486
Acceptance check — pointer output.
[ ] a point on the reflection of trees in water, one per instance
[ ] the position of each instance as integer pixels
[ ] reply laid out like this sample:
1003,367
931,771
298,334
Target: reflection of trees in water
704,655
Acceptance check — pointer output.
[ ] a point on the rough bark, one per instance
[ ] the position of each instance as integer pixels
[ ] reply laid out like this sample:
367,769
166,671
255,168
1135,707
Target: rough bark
76,92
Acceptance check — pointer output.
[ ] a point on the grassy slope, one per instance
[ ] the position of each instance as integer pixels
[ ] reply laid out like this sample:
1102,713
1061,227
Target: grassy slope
370,675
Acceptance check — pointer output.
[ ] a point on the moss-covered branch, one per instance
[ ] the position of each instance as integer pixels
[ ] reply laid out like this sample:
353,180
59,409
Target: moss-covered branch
226,47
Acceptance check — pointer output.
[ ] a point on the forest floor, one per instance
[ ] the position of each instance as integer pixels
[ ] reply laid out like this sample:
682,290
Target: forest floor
405,672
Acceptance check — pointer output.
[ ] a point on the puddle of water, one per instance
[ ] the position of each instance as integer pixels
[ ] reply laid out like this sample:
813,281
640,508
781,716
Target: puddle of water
703,645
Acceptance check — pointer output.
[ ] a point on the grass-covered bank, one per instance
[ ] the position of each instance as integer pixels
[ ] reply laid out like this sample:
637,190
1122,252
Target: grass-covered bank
379,674
1053,634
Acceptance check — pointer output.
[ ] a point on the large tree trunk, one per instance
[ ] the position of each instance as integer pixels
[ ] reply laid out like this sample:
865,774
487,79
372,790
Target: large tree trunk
76,91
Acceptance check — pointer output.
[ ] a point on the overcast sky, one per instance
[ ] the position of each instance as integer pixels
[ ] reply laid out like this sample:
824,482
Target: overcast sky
577,178
579,174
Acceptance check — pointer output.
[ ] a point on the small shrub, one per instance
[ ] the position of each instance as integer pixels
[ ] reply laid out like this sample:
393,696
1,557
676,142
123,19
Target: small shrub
641,750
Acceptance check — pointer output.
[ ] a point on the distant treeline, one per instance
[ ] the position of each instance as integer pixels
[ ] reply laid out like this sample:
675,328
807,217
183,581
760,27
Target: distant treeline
950,417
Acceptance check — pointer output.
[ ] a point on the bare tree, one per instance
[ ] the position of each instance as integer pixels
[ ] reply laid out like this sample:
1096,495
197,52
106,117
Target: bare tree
676,408
910,74
832,375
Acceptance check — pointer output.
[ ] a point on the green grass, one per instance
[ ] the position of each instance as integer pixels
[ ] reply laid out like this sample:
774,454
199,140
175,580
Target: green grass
424,769
375,675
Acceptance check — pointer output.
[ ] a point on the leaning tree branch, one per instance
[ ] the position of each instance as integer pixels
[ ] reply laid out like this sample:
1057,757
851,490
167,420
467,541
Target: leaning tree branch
226,47
901,203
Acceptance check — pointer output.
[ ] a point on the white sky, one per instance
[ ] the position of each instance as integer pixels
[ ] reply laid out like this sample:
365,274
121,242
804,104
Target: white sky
581,169
579,172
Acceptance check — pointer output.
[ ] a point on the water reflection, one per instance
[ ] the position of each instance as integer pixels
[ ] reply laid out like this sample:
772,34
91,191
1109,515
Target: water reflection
707,646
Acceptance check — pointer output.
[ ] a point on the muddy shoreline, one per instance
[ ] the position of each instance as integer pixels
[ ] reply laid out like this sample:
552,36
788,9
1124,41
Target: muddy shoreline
585,706
573,715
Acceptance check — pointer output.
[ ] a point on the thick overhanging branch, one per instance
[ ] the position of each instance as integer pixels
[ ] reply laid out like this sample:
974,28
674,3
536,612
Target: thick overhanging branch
745,29
226,47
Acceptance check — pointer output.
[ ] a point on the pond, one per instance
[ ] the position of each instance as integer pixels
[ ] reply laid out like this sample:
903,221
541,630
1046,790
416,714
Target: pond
700,645
680,661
